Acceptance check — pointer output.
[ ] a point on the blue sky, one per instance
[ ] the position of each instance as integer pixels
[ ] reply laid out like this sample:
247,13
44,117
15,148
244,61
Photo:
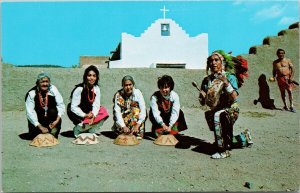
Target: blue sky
59,33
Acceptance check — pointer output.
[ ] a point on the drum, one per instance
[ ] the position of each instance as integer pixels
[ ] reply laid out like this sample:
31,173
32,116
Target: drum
213,93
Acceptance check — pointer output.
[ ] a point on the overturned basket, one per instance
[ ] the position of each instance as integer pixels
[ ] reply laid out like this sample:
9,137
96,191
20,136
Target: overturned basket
86,139
44,140
167,140
126,140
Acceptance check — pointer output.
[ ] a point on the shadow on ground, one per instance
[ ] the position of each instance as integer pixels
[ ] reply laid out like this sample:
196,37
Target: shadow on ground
25,136
68,134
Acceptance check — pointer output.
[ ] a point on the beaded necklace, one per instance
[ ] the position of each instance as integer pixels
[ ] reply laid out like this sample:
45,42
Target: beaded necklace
44,102
93,95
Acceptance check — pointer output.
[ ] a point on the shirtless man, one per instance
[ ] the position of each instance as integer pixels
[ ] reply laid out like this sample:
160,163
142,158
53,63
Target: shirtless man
283,71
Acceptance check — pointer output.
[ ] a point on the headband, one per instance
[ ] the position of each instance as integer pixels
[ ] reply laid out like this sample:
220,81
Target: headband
219,55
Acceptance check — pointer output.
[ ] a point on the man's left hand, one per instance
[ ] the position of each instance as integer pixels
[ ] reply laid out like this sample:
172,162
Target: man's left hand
290,80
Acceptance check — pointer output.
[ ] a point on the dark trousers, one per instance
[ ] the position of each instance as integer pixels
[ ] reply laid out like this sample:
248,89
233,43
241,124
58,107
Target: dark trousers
45,121
72,116
166,119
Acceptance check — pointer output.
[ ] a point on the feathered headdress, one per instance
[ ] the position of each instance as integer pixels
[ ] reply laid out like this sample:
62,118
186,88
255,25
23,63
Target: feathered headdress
228,62
232,65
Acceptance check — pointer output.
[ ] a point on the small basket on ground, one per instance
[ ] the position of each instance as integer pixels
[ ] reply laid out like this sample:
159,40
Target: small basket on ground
167,140
86,139
44,140
126,140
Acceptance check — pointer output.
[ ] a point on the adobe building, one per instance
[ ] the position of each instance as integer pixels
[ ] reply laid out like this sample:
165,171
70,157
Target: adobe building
99,61
163,45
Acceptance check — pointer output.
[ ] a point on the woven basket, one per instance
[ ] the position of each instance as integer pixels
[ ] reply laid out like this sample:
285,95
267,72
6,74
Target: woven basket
168,140
126,140
86,139
44,140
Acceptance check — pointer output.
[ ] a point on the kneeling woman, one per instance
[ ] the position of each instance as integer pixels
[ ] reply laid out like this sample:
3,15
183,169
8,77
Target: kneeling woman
129,109
85,110
165,113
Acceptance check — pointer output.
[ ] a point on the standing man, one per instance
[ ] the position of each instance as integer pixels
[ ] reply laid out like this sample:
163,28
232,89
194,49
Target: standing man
44,107
283,71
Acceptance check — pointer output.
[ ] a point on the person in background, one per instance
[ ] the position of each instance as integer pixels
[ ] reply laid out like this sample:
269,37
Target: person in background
85,110
44,107
283,72
129,109
165,113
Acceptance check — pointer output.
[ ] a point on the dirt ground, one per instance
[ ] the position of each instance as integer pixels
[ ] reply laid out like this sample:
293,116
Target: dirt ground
271,164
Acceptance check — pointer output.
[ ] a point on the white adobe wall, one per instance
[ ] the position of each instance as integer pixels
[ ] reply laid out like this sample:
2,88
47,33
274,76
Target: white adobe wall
151,48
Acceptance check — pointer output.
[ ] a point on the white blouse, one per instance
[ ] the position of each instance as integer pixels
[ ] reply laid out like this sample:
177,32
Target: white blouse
76,98
174,98
30,104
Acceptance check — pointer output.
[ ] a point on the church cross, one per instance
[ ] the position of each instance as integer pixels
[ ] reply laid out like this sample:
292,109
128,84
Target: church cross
164,10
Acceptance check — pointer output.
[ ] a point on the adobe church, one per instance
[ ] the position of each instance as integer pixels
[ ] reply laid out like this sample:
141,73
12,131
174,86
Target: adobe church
163,45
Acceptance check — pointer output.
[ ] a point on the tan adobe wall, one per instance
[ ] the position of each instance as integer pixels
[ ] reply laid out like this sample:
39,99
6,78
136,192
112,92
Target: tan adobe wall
99,61
260,61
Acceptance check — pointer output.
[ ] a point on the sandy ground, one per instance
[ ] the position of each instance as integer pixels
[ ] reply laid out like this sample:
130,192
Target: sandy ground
271,164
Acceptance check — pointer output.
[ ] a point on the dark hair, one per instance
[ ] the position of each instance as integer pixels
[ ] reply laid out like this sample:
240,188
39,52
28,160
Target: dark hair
127,77
165,80
279,50
86,72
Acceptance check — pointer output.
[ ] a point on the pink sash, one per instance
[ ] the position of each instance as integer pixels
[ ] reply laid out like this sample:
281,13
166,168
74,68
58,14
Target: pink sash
102,114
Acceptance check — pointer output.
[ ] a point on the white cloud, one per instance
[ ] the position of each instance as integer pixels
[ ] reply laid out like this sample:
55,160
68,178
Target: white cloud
244,2
287,21
237,2
272,12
